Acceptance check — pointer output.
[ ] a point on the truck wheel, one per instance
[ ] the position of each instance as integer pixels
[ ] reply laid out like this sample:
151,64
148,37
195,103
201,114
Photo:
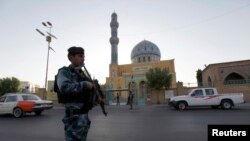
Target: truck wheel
226,104
176,107
17,112
181,105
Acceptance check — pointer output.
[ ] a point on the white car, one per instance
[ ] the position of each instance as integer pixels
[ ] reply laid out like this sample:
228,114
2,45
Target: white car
19,103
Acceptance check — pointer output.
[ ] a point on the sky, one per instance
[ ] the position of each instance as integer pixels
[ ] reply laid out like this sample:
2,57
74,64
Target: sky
194,33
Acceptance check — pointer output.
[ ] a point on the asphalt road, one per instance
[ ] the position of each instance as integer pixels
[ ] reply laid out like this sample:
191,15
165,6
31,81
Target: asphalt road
143,123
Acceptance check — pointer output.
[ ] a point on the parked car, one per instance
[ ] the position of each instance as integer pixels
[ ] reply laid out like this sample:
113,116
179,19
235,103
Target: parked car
19,103
206,97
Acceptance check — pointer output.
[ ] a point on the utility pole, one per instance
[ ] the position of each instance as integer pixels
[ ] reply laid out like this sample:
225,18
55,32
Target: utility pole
49,37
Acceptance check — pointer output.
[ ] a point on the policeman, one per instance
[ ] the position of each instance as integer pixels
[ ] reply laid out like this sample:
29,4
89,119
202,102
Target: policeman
74,90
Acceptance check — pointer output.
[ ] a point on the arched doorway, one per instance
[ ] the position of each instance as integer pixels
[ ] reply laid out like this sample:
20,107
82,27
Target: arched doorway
142,93
132,86
209,81
109,94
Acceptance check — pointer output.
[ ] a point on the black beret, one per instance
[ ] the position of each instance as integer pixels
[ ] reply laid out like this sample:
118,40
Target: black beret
75,50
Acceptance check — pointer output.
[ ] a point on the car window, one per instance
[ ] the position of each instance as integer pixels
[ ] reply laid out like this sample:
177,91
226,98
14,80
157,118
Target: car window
2,99
30,97
12,98
197,93
209,91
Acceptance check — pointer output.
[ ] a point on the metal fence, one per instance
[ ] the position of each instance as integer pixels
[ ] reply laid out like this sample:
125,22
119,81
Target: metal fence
242,81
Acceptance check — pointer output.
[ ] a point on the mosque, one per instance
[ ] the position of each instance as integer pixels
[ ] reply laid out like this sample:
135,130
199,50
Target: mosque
227,77
144,56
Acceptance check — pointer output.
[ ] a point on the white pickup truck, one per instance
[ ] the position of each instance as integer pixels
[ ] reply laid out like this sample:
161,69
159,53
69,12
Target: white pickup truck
206,97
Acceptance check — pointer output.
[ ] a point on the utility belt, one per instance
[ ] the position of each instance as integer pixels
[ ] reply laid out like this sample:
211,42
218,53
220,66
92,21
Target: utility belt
72,112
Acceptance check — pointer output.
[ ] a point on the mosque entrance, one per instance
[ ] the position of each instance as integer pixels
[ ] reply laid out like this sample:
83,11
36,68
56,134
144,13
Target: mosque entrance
142,95
117,96
120,96
140,92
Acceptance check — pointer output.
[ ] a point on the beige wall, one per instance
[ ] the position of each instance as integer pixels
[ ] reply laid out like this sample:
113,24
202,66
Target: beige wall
181,90
51,95
117,73
245,89
218,73
156,97
41,93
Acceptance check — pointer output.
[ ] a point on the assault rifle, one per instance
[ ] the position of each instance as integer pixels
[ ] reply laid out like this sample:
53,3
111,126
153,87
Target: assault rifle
97,95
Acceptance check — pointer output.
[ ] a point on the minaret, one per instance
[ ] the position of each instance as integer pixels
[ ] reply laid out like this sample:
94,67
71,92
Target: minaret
114,40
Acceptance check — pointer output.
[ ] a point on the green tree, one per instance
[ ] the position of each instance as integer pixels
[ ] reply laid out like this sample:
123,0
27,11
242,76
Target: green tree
159,79
8,85
199,77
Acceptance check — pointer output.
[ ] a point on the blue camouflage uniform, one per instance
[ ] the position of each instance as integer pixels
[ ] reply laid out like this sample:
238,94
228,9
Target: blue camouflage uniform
76,124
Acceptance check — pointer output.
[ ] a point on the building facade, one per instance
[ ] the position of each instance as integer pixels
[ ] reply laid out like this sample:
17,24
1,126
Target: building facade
28,87
229,77
144,56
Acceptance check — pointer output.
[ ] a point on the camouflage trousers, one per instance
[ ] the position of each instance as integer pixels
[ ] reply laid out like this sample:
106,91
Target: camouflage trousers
76,127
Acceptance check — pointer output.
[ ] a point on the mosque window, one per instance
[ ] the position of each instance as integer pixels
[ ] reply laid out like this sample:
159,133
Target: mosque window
144,59
139,59
113,73
149,59
235,78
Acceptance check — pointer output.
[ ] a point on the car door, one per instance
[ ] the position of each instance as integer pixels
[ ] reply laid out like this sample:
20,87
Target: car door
10,103
196,98
2,108
211,98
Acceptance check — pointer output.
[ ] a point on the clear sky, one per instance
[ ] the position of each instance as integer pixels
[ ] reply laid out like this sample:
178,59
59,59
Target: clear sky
193,32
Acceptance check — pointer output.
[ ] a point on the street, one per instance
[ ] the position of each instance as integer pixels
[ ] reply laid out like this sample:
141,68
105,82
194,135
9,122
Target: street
143,123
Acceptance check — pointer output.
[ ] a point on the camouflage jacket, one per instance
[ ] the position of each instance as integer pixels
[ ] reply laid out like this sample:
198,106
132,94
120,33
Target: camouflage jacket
68,84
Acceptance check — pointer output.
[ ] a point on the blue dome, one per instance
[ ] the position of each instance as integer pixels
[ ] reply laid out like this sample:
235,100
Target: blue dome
145,48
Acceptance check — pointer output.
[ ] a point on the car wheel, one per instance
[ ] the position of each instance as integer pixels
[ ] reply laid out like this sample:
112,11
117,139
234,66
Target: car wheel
38,113
226,104
181,105
17,112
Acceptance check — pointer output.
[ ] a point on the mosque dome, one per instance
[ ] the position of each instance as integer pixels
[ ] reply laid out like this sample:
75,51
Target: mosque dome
145,51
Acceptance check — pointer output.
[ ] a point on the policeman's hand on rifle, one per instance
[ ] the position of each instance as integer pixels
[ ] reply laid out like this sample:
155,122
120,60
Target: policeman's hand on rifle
101,100
89,85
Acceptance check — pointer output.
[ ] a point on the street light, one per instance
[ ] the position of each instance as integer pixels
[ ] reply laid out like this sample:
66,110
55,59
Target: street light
49,37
